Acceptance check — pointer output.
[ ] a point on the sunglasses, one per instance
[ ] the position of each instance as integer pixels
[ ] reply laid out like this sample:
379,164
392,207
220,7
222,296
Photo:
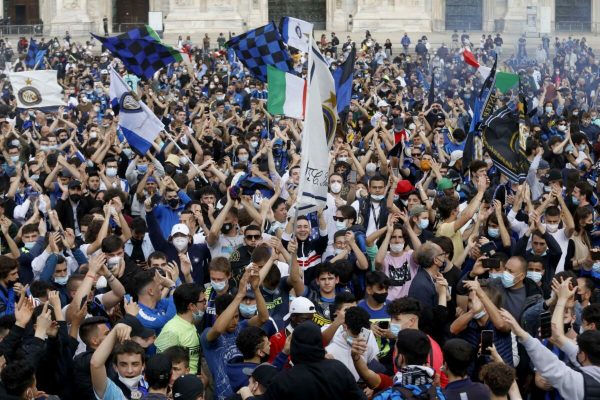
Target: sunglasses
340,219
253,237
417,155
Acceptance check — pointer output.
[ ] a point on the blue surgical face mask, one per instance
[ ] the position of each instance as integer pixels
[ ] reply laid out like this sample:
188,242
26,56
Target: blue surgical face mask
493,232
480,314
575,200
248,310
340,225
61,280
377,197
495,275
395,329
142,168
508,280
28,245
218,286
596,267
197,315
424,223
534,276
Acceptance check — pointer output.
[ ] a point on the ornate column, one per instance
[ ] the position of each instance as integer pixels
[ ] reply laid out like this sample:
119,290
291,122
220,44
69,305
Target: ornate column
72,16
389,15
516,17
438,15
198,16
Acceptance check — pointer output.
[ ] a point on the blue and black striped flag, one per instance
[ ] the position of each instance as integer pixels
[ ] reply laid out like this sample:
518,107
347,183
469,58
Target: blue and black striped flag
35,56
343,77
261,47
141,51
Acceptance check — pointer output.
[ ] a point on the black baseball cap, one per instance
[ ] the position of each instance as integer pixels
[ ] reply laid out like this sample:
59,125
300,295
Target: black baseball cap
137,329
158,369
554,175
263,374
187,387
74,183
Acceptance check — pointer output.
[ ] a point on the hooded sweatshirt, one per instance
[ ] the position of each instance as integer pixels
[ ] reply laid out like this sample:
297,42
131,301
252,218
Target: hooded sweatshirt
312,376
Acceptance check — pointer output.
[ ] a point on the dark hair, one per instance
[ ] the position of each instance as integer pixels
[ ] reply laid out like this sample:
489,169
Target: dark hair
222,302
7,264
325,268
249,340
591,314
343,298
252,228
414,346
112,243
446,205
458,354
357,318
446,244
29,228
579,214
157,255
260,254
377,278
178,354
552,211
138,225
348,212
184,295
498,376
477,165
143,279
585,189
128,347
404,305
40,288
17,376
589,343
377,178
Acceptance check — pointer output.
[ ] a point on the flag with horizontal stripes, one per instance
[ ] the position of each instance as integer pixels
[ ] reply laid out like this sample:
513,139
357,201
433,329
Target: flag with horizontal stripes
141,51
260,47
287,93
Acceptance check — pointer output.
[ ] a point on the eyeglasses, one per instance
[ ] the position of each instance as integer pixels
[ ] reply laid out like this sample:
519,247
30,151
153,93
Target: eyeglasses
340,219
252,237
416,155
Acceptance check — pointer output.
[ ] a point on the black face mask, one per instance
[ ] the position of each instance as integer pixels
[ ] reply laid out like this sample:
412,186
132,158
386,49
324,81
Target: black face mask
380,297
264,358
75,198
226,228
173,203
136,242
589,228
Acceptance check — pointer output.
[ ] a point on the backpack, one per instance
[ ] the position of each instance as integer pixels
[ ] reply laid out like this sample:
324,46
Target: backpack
411,392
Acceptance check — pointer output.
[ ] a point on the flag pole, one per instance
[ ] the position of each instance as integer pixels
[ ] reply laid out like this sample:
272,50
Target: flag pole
198,170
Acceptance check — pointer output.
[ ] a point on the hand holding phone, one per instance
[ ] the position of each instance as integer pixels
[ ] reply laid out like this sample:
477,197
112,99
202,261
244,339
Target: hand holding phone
545,324
364,334
487,340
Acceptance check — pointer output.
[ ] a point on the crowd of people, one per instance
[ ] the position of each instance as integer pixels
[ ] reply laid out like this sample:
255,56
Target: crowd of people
180,274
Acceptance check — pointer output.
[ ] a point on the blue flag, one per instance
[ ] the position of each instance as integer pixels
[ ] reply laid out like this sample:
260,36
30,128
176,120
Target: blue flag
141,51
343,77
35,56
261,47
481,103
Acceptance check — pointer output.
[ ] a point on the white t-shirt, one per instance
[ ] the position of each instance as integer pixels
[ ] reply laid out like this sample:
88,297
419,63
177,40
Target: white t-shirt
340,349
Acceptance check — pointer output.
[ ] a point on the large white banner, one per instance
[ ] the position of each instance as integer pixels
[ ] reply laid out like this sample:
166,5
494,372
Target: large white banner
37,89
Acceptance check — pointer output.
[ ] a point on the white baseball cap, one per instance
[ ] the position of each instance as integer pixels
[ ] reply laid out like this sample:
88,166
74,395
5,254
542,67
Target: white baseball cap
180,228
382,103
455,156
300,305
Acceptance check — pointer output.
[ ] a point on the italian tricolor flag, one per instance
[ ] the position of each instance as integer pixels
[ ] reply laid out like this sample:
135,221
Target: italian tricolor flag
287,93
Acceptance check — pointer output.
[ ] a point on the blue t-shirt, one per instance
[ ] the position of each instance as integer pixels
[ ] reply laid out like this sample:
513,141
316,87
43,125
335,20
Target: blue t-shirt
218,353
156,318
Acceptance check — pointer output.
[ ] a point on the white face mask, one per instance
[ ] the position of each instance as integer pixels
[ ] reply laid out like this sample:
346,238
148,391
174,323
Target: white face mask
551,228
336,187
111,172
180,243
396,247
113,262
131,383
340,225
243,157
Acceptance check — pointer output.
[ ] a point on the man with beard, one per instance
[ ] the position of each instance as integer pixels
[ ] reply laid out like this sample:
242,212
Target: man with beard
242,256
9,275
73,205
